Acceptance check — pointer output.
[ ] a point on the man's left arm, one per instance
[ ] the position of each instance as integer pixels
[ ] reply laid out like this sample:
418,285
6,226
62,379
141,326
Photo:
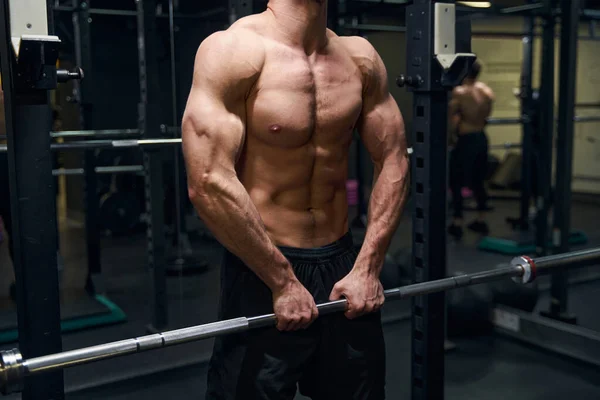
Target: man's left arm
381,128
453,116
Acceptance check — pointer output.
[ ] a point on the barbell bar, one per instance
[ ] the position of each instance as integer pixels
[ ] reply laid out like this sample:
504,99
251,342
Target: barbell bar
517,121
13,368
586,178
587,118
117,169
501,146
504,121
108,144
98,133
505,146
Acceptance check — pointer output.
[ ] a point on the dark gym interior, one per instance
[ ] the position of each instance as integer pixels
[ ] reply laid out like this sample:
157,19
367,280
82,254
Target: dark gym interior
133,257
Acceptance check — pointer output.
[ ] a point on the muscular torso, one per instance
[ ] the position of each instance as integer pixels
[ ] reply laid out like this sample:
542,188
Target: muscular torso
475,106
300,116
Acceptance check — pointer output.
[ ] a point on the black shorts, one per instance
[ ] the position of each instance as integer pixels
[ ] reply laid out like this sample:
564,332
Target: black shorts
469,159
334,359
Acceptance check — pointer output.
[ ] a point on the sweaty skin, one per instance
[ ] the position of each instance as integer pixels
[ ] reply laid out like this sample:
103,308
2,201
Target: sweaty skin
470,107
266,136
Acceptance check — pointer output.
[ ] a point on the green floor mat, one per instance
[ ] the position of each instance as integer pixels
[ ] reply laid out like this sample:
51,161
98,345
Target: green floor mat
523,243
86,313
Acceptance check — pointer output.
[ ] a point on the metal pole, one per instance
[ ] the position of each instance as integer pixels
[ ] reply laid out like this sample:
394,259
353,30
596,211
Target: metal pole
119,169
242,324
179,217
108,144
546,130
32,193
564,149
573,259
521,269
96,133
505,121
587,118
149,124
429,183
527,115
83,55
240,9
506,146
333,18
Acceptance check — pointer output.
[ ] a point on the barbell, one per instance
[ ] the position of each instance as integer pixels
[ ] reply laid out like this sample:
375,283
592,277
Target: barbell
13,367
108,144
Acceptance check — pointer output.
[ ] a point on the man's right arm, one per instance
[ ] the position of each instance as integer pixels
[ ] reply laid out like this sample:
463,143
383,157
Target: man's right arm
213,129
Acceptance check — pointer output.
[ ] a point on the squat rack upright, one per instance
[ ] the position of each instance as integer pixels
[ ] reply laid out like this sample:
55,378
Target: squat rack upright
150,127
32,194
27,78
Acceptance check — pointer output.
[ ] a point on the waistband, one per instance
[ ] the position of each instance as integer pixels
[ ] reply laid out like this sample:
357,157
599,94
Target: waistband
337,248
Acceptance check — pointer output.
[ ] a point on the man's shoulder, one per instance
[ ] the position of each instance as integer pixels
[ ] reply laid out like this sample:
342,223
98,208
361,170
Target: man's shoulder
485,89
459,91
358,47
236,46
362,52
235,38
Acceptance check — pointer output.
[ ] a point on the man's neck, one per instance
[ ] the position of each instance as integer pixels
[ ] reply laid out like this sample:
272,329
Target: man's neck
302,22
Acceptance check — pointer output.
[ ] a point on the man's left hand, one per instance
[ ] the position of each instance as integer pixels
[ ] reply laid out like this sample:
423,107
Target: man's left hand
362,290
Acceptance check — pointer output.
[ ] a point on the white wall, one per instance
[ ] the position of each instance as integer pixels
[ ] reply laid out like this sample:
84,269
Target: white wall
502,59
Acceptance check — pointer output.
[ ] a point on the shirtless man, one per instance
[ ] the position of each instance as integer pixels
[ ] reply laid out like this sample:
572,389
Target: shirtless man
266,135
470,107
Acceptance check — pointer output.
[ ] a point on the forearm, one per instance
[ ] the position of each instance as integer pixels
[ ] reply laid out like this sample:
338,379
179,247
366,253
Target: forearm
225,206
387,202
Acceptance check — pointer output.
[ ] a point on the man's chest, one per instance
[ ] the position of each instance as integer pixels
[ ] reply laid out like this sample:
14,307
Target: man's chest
297,99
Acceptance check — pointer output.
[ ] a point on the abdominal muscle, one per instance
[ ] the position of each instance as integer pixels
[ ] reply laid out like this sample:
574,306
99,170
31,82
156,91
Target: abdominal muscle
300,196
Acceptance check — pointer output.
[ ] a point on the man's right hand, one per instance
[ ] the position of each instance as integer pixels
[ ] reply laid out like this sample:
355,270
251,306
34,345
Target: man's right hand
294,307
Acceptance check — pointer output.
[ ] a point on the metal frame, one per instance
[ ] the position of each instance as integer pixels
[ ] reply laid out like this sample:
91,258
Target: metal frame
149,125
564,149
109,144
534,9
546,127
106,133
179,220
33,200
119,169
84,90
527,113
554,336
428,170
131,13
239,9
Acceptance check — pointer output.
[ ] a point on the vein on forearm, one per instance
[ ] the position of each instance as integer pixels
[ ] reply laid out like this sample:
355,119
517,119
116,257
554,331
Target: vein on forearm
226,208
388,199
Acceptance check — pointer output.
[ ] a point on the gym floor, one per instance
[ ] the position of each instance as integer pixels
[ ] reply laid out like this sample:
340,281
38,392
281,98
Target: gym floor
484,367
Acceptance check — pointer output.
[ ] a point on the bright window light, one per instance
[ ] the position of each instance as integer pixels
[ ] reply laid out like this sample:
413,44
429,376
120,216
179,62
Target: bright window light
476,4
